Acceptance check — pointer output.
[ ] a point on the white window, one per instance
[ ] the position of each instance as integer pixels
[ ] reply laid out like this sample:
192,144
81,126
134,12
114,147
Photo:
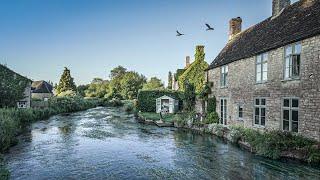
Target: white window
262,68
290,114
292,61
22,104
240,111
260,111
224,111
224,76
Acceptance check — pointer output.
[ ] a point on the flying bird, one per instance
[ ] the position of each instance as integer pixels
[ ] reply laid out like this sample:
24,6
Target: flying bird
209,28
179,34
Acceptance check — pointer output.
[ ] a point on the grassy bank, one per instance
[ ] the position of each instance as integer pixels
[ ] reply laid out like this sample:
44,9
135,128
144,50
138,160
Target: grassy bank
13,120
271,144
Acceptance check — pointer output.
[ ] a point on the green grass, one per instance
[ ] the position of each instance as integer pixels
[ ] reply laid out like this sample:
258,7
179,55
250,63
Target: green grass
156,116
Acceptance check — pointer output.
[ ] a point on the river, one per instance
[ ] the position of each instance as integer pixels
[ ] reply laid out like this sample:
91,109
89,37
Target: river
108,143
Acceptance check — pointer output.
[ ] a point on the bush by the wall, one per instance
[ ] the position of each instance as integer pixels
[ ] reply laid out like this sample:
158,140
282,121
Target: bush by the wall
272,143
211,106
211,118
147,99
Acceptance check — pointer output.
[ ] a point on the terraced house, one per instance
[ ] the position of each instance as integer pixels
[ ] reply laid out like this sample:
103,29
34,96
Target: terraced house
268,76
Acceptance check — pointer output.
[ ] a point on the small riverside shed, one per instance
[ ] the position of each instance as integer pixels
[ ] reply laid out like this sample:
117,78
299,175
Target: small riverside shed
167,104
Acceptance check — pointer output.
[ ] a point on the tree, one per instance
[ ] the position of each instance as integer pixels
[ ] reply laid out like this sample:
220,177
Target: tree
97,88
170,80
116,76
12,87
189,96
66,82
130,84
153,83
117,72
81,89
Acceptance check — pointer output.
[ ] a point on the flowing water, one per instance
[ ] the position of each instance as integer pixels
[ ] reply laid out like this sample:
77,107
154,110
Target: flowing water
107,143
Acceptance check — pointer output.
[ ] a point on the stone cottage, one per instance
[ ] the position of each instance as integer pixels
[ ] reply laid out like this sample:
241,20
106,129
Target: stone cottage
41,90
14,77
268,76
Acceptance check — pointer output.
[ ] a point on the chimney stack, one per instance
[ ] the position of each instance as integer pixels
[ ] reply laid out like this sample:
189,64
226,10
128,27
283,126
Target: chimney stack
279,5
187,61
235,25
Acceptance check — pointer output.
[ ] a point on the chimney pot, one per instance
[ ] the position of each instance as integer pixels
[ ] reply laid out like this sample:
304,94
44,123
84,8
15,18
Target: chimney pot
279,5
235,25
187,61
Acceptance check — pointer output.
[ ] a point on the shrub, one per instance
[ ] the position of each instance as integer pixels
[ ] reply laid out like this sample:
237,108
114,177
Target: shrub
147,99
211,118
211,107
4,173
114,103
180,120
129,107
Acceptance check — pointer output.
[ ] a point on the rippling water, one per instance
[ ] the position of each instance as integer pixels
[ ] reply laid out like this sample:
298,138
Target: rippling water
107,143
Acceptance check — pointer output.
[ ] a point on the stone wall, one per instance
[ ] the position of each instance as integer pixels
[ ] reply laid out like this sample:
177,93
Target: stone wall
242,88
41,96
27,95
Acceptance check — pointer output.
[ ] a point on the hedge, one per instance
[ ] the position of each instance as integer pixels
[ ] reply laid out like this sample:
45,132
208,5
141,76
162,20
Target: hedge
147,99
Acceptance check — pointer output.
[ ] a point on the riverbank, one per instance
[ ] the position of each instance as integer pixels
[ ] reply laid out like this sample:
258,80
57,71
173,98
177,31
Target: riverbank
270,144
13,120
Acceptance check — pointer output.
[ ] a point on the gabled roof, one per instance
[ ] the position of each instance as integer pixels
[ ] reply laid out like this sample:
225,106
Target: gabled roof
4,68
41,87
299,21
165,97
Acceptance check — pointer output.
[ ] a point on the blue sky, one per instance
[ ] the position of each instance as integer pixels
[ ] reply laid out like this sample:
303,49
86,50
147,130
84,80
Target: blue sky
40,37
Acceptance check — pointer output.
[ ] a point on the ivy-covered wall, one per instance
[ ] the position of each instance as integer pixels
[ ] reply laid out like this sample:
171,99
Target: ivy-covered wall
12,87
195,74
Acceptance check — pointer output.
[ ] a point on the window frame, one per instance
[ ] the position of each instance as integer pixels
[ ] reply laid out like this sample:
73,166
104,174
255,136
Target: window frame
224,71
240,105
290,108
260,107
261,63
290,56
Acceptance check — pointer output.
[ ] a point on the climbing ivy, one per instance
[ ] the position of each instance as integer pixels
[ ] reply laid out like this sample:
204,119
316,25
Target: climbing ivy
12,87
195,74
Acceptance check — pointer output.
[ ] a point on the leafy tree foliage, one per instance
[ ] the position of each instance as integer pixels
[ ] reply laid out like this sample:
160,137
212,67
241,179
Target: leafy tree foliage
81,89
117,72
195,74
170,80
116,76
66,82
98,88
12,87
153,83
189,96
130,84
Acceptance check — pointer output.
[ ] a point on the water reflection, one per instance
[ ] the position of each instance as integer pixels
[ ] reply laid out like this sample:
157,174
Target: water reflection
107,143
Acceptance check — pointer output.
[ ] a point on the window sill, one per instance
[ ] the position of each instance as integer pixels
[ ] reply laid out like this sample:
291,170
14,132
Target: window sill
290,79
259,126
262,82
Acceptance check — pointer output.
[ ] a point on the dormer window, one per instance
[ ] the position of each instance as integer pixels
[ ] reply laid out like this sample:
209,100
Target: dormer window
292,61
